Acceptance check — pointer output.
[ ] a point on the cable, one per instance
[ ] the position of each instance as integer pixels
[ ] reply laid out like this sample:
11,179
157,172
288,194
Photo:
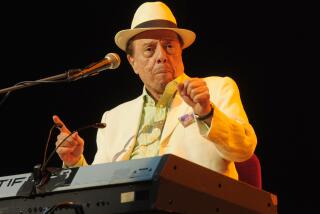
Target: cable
47,144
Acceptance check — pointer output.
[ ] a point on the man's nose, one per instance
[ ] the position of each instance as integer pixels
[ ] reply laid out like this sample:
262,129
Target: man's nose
161,55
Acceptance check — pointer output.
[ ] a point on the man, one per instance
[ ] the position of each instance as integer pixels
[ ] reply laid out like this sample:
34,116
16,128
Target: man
201,120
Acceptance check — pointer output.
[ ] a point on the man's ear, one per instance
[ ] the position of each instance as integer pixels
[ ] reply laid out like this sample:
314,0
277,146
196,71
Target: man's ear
131,61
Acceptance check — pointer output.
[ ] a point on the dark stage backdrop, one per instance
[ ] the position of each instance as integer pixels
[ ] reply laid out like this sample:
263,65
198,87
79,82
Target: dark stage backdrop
260,45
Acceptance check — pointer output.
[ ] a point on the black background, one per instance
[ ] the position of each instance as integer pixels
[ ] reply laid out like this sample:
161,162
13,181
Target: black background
262,46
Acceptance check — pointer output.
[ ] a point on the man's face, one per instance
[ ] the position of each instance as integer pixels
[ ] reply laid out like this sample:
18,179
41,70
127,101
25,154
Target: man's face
157,59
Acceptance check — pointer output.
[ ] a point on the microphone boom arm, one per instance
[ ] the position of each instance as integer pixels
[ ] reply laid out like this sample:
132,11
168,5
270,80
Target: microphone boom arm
52,79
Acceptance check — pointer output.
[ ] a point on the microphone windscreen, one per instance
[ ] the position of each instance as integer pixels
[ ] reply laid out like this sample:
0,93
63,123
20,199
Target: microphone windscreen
114,59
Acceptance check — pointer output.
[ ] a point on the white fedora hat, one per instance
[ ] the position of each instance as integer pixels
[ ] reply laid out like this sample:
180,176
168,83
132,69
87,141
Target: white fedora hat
153,16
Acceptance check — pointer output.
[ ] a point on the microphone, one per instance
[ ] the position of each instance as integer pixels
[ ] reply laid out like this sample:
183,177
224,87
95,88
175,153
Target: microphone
94,125
110,61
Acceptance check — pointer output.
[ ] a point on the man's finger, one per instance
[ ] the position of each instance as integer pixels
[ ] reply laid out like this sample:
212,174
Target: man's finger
57,120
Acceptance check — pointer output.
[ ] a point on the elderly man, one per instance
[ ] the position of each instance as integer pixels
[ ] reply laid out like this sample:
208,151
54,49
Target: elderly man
201,120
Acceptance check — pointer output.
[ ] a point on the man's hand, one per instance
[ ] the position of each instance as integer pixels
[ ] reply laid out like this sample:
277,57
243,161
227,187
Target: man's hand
71,150
195,93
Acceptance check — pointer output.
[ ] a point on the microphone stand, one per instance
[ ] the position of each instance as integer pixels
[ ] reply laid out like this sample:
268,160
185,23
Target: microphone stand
110,61
68,76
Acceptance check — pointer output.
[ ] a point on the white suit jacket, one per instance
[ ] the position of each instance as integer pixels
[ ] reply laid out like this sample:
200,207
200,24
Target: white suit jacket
230,138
